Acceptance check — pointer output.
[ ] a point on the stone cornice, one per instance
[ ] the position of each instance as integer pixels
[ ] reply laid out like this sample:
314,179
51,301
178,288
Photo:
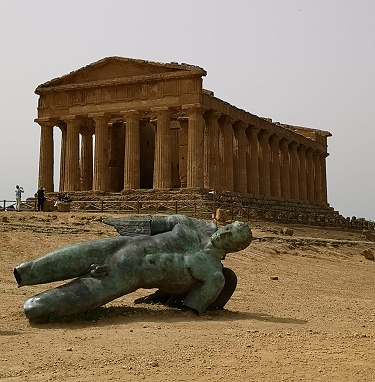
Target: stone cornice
44,88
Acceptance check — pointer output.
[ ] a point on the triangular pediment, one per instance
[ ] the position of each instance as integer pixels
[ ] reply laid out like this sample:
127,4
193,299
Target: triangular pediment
114,68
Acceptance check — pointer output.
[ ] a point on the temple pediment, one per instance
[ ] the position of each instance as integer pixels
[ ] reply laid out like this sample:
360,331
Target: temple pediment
118,68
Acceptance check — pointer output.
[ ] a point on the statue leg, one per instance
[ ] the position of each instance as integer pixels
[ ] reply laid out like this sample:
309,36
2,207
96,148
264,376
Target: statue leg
227,291
77,296
67,262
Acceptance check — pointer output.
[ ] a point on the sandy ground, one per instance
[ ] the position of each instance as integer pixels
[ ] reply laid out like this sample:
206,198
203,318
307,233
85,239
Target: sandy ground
314,323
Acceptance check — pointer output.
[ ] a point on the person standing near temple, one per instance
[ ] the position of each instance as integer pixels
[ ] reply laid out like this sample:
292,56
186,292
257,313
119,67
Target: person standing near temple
41,198
18,191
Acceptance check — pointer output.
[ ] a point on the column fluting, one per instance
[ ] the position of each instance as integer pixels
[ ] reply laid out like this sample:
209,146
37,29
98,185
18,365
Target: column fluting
46,155
132,150
195,146
72,171
239,164
101,154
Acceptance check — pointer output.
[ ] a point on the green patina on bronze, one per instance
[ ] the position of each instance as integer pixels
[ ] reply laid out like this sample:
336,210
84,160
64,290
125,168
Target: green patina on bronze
178,255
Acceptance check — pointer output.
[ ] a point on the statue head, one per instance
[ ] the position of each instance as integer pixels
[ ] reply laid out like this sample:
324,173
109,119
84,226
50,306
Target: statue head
232,237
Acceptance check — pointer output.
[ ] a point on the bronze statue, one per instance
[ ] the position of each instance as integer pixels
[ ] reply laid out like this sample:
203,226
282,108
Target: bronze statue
179,256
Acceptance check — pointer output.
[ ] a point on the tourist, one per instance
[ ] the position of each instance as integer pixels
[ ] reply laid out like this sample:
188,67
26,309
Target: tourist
41,198
19,191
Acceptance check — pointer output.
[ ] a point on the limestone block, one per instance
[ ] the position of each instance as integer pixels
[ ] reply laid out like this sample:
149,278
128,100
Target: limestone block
222,215
48,206
63,207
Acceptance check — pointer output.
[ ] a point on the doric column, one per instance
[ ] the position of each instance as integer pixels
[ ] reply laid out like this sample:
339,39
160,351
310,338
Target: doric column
294,187
86,160
239,167
253,173
163,156
285,172
310,183
226,132
302,173
132,150
72,172
318,177
323,176
101,156
195,146
62,126
211,157
264,164
275,166
46,154
183,150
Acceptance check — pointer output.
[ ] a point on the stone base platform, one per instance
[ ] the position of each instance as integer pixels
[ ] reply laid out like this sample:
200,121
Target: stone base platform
205,203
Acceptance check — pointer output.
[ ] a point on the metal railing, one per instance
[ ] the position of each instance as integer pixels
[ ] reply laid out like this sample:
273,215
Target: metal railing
10,205
204,209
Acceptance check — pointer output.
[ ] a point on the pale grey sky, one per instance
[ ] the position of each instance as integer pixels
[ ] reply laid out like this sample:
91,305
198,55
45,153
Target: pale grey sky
302,62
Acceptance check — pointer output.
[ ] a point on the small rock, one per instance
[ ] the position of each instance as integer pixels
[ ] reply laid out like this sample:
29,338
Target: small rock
274,277
368,254
369,234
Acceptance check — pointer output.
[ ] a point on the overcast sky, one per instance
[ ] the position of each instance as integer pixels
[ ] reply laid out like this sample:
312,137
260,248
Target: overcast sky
302,62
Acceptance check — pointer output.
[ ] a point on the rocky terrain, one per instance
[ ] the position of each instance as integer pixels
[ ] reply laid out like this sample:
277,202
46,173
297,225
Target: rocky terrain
303,310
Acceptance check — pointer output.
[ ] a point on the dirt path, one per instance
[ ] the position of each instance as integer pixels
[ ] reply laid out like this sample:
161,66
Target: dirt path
314,323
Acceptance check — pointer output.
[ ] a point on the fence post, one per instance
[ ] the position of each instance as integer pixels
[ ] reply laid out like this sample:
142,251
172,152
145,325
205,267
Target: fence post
214,205
102,206
175,207
137,207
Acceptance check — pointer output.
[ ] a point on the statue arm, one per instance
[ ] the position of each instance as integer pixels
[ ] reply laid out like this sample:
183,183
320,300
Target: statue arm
161,224
204,293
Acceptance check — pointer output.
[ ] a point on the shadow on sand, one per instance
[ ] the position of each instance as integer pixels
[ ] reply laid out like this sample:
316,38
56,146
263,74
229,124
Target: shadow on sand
104,316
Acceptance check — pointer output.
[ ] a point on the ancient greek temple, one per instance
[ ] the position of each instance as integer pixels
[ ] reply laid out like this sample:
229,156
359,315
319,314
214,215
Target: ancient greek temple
129,124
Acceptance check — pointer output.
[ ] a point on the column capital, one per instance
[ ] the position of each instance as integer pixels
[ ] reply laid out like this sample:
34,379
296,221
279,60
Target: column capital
276,138
134,114
264,134
227,119
293,145
100,117
47,121
162,110
240,125
317,153
194,107
254,128
309,150
212,114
